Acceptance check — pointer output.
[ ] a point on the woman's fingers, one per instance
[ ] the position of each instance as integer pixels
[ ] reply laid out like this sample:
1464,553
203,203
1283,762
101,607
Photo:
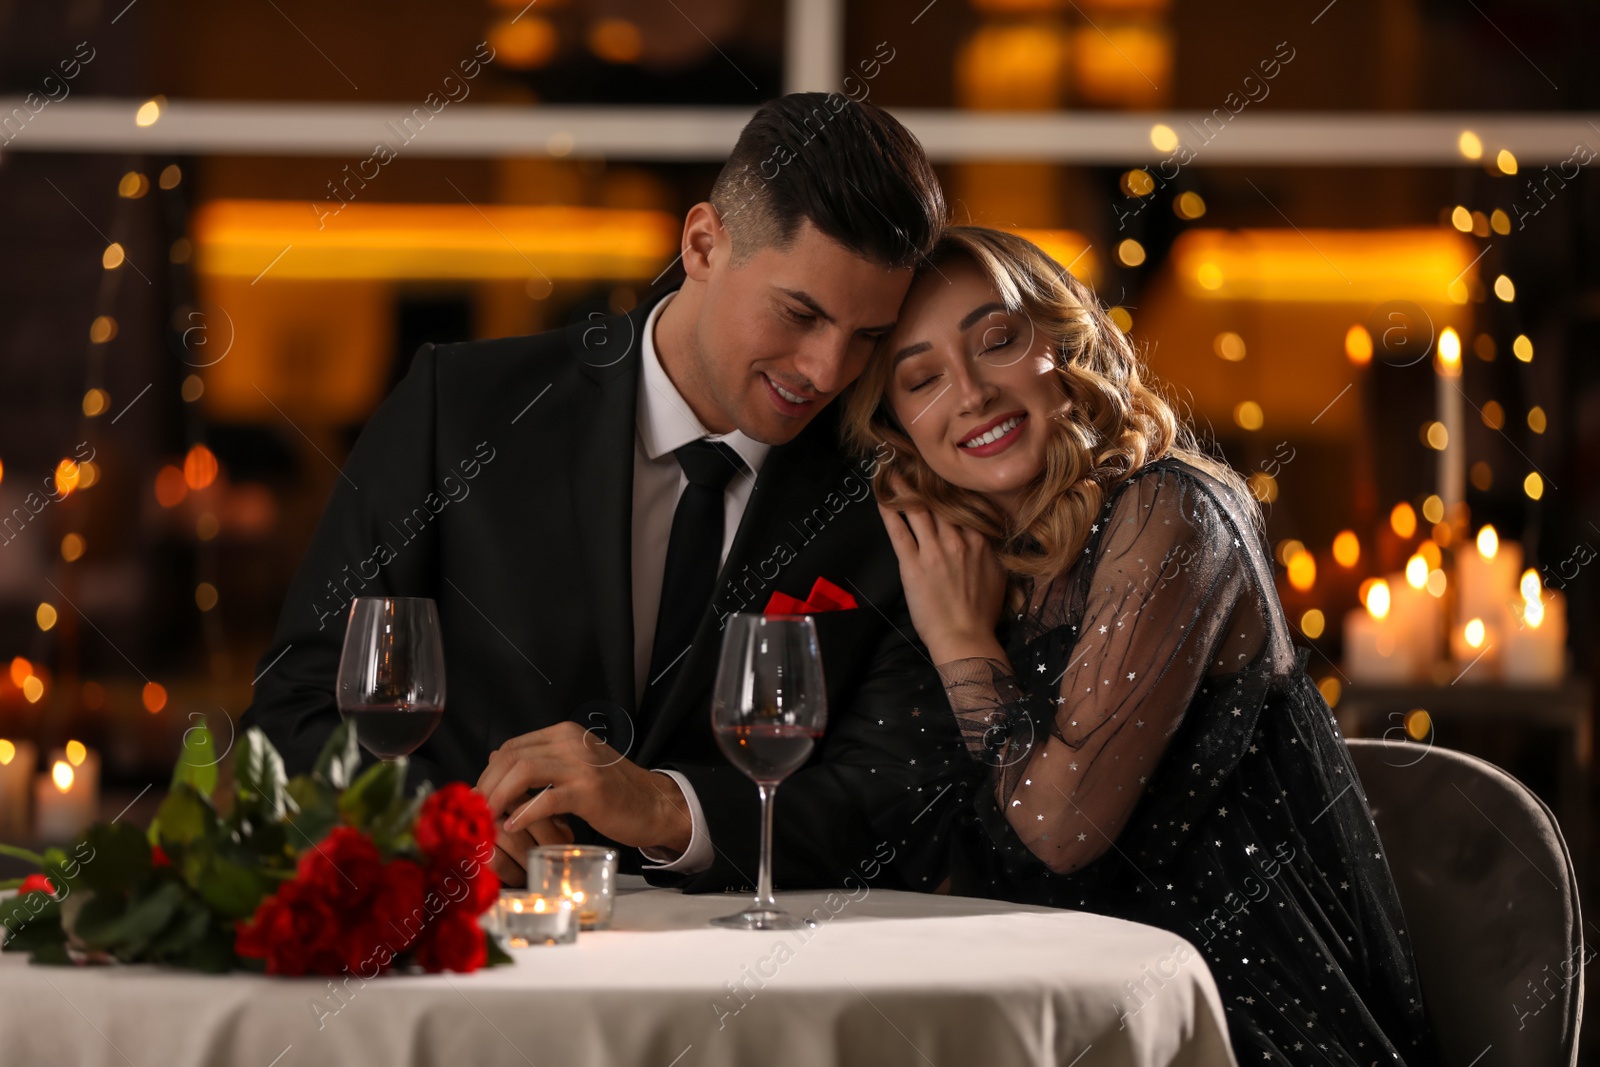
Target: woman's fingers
922,524
905,545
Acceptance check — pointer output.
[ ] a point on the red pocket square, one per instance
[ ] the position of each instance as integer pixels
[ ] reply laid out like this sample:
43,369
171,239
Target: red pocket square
824,596
784,604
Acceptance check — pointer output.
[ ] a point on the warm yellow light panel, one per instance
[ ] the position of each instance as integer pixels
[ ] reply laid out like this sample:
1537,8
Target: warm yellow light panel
1321,266
282,240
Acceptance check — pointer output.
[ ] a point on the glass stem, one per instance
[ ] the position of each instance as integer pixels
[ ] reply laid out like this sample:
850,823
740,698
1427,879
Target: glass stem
764,898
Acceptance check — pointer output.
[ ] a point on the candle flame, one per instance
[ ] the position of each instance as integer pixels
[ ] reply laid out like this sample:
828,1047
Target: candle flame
1532,588
8,752
1416,572
1449,352
1378,599
62,774
1533,613
1474,632
76,753
539,905
1488,542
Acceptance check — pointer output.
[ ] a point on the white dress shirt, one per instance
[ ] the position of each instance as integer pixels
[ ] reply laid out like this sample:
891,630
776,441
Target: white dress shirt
665,423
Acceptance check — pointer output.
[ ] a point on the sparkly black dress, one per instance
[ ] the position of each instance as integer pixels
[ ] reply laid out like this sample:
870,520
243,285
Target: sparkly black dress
1155,751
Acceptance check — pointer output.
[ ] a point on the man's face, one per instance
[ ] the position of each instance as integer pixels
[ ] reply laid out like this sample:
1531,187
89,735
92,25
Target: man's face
782,333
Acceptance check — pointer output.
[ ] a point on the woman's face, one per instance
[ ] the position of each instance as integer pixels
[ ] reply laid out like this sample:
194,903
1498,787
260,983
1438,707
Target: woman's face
972,383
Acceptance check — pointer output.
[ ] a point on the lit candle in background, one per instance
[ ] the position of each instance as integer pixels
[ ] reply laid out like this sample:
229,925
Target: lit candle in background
18,760
1536,643
1373,648
67,797
1453,457
1417,614
1486,578
1475,648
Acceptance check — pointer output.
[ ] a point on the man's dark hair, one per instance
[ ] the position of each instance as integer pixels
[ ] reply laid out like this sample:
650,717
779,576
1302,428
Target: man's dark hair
850,168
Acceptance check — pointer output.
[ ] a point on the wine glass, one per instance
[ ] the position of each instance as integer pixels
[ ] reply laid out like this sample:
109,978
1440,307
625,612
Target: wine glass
391,673
767,711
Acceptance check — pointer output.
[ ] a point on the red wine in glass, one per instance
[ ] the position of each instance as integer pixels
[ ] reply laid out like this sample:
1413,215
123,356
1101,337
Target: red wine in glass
768,709
390,731
391,673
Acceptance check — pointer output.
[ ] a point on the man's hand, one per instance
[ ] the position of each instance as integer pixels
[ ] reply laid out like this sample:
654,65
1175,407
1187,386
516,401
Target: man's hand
573,772
511,848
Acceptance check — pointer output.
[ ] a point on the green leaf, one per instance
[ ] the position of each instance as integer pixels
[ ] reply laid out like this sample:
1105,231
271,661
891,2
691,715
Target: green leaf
147,917
182,934
99,920
391,831
372,794
230,887
318,811
259,774
213,953
186,816
198,764
121,856
53,954
340,757
22,854
28,929
497,954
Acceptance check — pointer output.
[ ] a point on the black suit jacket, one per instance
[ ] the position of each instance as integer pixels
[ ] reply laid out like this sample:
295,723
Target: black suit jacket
497,479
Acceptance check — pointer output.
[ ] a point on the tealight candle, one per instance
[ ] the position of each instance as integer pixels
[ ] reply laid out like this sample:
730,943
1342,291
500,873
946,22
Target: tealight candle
18,760
583,874
531,919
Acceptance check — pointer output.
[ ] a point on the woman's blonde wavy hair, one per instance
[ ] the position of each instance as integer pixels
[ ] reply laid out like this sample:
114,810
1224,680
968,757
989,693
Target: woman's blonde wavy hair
1115,424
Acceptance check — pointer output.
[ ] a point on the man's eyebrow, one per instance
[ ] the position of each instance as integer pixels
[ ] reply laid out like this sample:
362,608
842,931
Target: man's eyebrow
910,350
978,313
806,299
821,313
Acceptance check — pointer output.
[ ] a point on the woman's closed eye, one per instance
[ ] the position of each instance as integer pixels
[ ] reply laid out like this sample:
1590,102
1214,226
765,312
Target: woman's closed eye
921,382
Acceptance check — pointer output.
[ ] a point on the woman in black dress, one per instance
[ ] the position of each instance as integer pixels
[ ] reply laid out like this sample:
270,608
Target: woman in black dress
1144,739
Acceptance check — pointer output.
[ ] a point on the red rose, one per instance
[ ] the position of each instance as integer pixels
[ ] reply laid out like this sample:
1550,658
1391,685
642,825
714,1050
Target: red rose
159,858
36,883
295,930
453,942
344,868
453,824
485,891
398,910
367,949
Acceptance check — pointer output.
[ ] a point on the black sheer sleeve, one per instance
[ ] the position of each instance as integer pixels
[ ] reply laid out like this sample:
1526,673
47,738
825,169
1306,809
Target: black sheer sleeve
1159,587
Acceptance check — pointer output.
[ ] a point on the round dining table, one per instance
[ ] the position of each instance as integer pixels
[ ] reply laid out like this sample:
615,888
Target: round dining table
880,978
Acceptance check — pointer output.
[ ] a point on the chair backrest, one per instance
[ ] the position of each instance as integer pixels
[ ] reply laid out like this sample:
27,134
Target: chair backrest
1490,901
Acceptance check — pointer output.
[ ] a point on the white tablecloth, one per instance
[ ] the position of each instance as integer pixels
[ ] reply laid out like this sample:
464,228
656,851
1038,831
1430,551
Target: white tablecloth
885,979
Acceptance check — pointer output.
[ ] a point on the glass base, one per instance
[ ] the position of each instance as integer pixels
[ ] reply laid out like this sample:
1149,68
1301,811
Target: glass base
763,919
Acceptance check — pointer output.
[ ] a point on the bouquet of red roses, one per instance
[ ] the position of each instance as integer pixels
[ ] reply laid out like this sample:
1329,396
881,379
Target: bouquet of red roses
328,873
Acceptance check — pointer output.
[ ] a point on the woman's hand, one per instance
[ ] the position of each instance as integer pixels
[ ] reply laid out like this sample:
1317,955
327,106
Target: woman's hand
955,586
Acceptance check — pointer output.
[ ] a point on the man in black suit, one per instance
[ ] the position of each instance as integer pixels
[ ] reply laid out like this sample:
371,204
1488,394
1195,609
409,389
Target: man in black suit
588,506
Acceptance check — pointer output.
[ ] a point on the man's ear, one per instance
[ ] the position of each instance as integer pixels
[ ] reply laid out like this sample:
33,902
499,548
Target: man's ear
705,240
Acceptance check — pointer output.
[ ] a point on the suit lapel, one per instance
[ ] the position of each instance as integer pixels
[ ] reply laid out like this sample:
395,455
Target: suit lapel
601,487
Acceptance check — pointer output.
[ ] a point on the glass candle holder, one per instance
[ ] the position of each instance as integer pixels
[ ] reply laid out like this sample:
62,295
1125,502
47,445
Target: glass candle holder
525,919
584,874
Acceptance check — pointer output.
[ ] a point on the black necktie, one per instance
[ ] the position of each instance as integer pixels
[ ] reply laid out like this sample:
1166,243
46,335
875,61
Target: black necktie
693,551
